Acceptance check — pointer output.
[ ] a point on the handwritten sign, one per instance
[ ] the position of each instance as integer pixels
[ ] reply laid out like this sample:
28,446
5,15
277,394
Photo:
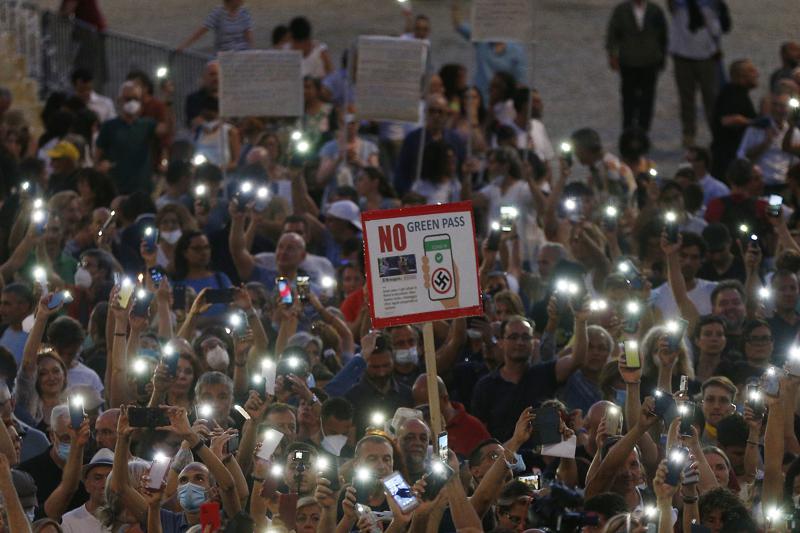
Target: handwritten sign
502,20
261,83
390,71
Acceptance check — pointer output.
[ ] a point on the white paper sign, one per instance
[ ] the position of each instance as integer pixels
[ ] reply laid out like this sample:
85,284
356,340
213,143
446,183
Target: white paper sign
502,20
390,71
261,83
565,448
422,264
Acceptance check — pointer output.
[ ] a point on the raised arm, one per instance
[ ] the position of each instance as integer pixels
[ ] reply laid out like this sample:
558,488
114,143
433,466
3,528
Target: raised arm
568,364
242,258
58,501
348,342
193,38
199,306
17,520
607,470
120,482
447,355
677,283
772,492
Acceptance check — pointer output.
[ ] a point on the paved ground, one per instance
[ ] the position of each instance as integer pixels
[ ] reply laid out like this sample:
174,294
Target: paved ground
570,68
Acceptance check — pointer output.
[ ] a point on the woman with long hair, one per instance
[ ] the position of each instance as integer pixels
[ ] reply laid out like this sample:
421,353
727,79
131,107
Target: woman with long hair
374,190
438,181
192,267
95,189
172,221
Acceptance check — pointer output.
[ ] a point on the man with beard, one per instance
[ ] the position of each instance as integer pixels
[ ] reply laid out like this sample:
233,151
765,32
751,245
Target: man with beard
413,436
727,302
785,322
620,469
378,390
521,382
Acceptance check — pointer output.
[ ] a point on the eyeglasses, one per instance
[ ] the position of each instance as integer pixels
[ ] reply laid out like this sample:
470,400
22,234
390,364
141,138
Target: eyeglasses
514,337
758,339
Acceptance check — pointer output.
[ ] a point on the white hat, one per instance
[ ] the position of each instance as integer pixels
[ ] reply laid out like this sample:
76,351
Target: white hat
346,210
103,457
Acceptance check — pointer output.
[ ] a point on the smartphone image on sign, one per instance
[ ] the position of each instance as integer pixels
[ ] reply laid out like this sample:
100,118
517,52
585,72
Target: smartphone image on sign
284,291
158,471
443,446
209,516
400,492
439,251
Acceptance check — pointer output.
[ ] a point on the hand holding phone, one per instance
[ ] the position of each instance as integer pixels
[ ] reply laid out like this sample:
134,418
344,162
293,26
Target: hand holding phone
400,492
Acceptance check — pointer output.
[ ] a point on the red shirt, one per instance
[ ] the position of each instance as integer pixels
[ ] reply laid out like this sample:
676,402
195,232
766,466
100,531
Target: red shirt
464,431
716,207
352,305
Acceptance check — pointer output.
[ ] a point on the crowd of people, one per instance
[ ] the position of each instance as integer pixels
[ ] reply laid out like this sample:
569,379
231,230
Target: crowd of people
186,341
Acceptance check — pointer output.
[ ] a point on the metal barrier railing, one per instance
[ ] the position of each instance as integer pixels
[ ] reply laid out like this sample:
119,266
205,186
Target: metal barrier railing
54,46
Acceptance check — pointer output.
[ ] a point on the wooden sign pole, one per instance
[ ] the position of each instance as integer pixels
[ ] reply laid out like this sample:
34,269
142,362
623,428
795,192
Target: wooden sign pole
431,373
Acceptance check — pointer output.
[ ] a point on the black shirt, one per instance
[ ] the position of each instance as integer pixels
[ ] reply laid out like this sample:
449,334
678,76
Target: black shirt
498,403
366,399
732,100
735,271
48,475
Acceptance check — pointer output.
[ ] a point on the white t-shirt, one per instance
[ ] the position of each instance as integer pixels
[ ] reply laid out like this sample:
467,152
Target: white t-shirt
81,521
518,196
663,300
774,162
443,193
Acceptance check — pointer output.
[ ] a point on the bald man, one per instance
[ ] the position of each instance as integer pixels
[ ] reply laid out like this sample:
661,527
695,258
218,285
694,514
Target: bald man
587,438
465,431
290,252
105,429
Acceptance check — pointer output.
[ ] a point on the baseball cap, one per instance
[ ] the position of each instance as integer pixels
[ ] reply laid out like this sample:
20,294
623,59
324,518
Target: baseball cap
25,487
346,210
103,457
717,237
64,149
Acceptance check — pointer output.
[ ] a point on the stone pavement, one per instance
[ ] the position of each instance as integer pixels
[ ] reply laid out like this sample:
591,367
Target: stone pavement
570,66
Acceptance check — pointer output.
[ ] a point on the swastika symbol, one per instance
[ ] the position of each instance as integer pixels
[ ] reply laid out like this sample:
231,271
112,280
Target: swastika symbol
442,280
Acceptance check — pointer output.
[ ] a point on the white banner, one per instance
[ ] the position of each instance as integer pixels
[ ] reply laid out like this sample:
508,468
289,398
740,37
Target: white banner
261,83
502,20
390,71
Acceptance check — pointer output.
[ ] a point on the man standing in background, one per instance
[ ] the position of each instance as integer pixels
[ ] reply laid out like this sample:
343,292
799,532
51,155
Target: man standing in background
636,42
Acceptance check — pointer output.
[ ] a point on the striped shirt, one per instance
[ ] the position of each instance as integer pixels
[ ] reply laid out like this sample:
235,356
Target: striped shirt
229,29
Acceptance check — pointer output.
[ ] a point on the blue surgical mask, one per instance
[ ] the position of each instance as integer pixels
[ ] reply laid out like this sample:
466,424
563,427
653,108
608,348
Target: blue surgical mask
191,497
620,396
63,450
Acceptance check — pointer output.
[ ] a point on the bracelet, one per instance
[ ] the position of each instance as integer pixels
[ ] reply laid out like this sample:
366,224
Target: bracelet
753,442
690,499
196,447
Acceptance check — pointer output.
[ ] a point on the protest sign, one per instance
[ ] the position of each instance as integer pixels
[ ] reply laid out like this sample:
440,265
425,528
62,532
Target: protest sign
261,83
502,20
390,71
422,264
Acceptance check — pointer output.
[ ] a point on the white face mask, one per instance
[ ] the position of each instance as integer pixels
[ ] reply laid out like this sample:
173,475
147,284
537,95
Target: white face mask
217,358
83,278
333,444
171,237
404,357
132,107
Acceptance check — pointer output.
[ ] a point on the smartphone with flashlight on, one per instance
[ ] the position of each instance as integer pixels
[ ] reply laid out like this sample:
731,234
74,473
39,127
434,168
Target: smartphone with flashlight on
774,207
676,461
400,491
142,302
493,241
566,153
676,329
150,238
244,195
632,359
686,412
159,469
754,399
303,287
58,298
76,412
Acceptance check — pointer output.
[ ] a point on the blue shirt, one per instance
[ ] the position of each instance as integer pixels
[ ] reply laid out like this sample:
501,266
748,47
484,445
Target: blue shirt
218,280
488,62
229,29
406,168
14,342
712,188
173,522
580,393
